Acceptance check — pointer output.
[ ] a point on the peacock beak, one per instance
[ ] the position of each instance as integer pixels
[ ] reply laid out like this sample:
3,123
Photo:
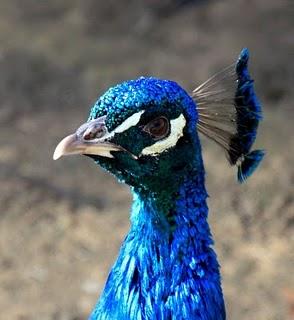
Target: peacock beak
72,144
90,138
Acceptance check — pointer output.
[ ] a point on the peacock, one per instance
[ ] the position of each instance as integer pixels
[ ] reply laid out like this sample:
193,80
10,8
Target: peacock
145,132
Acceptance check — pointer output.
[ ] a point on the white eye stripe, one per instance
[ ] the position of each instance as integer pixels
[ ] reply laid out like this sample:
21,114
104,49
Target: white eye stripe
132,121
176,132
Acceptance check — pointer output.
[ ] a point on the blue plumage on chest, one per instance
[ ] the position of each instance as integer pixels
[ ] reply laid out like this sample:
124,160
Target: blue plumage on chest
166,270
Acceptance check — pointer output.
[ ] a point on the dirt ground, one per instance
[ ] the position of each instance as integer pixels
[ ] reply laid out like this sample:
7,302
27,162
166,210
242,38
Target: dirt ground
61,223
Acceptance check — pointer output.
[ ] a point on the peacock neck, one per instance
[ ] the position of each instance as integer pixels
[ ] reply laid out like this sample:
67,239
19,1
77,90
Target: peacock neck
166,268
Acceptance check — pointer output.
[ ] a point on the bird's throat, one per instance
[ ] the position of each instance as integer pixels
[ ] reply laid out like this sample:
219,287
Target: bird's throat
166,268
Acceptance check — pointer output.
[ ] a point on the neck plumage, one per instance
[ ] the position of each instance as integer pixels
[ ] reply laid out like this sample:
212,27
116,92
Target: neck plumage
166,268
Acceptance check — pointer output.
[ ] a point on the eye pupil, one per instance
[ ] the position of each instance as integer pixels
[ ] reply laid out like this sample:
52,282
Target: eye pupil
158,128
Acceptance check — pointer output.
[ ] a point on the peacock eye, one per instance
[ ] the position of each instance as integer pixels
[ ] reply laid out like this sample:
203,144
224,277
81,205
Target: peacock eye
157,128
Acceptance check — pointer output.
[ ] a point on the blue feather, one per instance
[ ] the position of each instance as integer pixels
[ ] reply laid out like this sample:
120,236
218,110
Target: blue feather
248,117
230,112
249,164
248,109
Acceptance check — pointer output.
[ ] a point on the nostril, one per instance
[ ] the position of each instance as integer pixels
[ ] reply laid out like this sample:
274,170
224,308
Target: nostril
88,136
94,132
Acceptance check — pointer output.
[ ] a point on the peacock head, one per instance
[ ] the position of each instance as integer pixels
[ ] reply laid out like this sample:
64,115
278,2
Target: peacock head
144,131
141,131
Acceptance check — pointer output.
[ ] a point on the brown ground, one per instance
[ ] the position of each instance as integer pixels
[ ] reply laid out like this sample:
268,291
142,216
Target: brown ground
61,223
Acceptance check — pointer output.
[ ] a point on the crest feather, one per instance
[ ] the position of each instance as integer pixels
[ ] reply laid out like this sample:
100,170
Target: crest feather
229,113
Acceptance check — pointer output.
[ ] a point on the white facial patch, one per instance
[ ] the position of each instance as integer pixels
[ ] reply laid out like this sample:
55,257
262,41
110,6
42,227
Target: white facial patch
132,121
176,132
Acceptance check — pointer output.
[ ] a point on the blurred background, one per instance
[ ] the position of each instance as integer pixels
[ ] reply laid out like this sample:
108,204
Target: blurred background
61,223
